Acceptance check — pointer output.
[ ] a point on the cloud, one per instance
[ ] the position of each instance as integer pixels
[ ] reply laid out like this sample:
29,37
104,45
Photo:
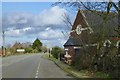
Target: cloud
27,28
52,16
47,25
54,42
21,20
15,22
14,33
11,32
50,34
52,37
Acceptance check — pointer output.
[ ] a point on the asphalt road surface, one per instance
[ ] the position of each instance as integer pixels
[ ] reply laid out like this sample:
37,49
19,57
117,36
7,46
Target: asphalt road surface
31,66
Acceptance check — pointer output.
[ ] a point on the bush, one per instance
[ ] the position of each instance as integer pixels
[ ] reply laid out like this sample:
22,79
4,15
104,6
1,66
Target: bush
83,59
28,50
55,51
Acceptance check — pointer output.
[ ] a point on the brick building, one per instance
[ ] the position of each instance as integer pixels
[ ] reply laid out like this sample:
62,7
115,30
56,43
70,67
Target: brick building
79,37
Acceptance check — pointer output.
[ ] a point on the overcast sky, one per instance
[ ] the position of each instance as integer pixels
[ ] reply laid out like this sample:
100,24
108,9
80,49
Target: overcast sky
26,21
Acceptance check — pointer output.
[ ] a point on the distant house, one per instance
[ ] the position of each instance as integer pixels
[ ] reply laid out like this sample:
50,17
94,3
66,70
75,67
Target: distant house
16,46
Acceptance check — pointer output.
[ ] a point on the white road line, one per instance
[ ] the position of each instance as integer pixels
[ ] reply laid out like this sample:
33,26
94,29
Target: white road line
36,76
38,66
37,72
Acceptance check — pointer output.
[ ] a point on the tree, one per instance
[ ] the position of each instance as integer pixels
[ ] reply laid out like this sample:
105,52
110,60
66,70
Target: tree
55,51
37,44
16,46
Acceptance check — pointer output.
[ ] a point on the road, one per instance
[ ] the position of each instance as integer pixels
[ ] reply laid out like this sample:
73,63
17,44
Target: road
31,66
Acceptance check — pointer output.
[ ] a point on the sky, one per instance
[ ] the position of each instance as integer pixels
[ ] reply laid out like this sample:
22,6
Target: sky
26,21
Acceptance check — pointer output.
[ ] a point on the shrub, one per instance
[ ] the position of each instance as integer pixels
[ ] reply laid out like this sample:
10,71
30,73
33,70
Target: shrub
55,51
28,50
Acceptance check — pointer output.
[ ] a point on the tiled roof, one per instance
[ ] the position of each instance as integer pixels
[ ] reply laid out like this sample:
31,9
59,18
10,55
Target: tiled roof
73,42
95,22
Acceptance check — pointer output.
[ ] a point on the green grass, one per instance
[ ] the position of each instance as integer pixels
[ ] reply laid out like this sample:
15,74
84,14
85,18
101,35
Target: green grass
102,74
46,55
84,73
76,73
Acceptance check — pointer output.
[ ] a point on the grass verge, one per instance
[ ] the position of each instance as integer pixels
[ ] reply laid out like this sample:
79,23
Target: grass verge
49,56
74,72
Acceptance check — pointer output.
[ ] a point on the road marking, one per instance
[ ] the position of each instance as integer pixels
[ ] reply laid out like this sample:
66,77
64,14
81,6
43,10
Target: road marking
37,72
36,76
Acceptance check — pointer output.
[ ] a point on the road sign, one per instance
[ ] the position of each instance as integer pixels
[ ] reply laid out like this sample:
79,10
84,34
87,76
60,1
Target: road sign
20,50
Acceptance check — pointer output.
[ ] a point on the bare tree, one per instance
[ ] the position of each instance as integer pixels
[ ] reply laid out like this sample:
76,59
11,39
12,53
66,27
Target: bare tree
67,20
104,7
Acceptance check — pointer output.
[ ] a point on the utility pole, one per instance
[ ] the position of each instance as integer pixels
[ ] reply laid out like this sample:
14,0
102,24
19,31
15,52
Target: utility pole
49,52
3,48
